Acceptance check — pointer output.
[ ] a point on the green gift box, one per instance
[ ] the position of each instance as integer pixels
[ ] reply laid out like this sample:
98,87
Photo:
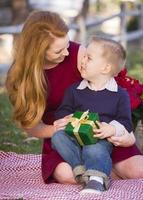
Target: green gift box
81,127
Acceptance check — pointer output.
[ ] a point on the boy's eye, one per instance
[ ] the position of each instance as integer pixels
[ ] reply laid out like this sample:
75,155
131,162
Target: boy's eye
89,58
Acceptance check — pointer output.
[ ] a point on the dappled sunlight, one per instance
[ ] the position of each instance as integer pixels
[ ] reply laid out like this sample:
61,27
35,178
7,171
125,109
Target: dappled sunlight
6,43
111,27
2,90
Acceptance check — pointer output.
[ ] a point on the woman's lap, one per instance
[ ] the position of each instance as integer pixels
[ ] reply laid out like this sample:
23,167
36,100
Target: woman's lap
63,174
127,163
126,169
120,154
130,167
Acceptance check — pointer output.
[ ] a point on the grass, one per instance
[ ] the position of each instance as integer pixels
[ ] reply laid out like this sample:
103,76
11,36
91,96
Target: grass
11,137
16,140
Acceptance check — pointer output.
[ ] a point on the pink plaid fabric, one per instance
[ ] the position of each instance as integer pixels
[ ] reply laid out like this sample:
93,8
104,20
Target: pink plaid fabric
20,177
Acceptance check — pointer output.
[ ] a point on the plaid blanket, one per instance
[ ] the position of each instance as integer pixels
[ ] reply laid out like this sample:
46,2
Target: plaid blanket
20,178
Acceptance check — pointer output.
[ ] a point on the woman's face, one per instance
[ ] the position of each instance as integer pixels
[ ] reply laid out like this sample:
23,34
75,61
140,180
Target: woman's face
58,50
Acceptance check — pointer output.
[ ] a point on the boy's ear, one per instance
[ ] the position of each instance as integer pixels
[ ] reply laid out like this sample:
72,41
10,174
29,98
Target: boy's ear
106,69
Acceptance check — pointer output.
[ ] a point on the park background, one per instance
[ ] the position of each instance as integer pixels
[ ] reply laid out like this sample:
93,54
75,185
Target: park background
85,18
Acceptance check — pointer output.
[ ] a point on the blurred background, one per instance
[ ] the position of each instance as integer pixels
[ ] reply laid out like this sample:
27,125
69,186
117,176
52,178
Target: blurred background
116,19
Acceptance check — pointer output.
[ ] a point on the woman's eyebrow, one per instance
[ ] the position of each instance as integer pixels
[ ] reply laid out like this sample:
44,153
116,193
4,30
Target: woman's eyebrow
57,51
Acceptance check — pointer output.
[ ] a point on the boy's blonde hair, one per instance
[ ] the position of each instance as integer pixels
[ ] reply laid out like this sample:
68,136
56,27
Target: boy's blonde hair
113,52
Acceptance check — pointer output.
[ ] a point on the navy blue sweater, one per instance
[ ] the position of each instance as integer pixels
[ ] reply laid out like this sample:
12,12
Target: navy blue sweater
109,105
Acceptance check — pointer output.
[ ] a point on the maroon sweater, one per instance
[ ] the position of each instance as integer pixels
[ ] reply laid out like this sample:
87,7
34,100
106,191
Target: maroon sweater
59,78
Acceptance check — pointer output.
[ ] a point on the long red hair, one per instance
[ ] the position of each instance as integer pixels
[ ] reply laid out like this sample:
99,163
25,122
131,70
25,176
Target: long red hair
25,82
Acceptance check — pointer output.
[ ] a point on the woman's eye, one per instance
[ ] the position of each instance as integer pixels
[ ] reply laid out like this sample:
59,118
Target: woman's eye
58,52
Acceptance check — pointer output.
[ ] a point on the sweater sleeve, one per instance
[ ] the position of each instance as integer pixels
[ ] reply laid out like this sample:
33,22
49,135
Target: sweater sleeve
124,111
67,105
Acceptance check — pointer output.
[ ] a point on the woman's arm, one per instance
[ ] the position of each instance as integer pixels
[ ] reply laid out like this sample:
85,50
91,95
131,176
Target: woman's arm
126,140
42,130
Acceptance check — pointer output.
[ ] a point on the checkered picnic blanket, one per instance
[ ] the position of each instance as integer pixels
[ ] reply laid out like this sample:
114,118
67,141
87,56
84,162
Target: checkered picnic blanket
20,178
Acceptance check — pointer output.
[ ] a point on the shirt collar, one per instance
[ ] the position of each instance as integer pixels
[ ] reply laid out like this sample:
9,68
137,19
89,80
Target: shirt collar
111,85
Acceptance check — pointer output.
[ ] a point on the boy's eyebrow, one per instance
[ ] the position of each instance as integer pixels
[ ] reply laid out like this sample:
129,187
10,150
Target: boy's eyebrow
89,55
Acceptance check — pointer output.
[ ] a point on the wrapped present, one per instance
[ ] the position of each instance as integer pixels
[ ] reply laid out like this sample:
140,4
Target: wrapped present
81,127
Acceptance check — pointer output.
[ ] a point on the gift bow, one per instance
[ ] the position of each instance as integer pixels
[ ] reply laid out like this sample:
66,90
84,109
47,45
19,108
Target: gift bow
76,123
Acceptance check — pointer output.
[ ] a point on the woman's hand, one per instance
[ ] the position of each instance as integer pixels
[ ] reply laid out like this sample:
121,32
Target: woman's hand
60,124
41,130
105,130
126,140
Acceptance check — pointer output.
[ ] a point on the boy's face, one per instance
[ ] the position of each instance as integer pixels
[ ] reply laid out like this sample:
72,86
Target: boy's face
93,62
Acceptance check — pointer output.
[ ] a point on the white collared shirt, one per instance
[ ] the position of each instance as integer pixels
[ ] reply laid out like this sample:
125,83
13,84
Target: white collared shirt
111,85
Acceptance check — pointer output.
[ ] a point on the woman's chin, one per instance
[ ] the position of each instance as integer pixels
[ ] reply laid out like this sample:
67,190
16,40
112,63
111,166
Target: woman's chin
62,59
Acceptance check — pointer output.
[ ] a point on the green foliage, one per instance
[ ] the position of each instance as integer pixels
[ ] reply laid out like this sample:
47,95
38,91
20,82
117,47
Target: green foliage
132,24
137,115
135,63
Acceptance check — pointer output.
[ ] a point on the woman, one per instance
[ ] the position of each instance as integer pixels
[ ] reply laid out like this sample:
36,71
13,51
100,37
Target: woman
45,64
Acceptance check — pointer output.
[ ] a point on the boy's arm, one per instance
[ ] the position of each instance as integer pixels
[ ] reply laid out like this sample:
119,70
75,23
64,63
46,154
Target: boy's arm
123,120
67,105
122,123
119,128
124,115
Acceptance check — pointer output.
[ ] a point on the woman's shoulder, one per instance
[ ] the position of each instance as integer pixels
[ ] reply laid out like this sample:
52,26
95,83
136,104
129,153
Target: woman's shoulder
74,44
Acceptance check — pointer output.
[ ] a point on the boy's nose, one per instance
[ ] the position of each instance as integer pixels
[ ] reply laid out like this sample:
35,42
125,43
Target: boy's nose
83,62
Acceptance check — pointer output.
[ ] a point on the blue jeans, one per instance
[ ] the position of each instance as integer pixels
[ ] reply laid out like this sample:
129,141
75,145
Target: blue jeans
93,157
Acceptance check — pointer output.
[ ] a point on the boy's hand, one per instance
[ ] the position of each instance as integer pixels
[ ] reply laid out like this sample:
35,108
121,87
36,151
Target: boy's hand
105,130
60,124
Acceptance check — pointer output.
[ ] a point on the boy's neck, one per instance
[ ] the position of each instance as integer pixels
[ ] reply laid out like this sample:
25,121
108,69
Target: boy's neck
99,83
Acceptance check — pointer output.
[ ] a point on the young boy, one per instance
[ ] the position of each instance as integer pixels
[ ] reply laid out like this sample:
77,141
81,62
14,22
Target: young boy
97,92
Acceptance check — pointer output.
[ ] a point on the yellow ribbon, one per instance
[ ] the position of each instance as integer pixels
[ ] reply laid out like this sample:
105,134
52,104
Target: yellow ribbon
76,123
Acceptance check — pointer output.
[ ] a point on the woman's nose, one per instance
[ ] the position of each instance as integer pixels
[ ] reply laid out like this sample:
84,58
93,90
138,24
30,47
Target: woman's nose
65,52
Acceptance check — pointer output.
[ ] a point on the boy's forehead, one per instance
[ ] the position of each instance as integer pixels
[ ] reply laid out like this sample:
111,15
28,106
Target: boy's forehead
94,47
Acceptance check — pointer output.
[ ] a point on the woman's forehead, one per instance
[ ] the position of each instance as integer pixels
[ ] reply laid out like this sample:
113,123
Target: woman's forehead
59,43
